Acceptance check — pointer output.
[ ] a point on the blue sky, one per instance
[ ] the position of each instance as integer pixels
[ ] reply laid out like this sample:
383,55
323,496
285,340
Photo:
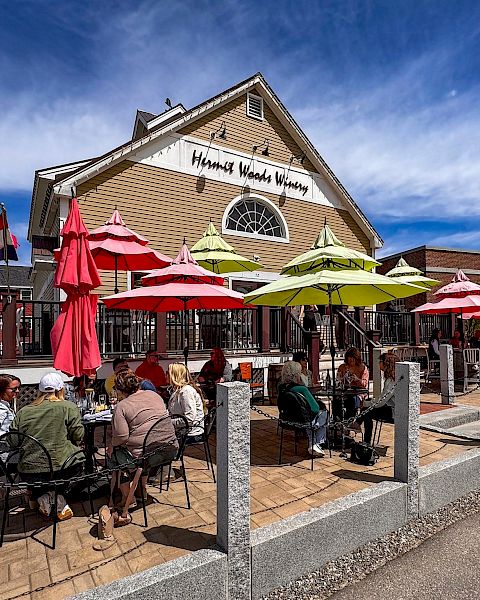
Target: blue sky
387,91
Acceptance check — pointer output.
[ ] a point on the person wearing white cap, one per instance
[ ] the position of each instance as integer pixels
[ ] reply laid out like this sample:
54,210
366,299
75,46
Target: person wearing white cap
55,423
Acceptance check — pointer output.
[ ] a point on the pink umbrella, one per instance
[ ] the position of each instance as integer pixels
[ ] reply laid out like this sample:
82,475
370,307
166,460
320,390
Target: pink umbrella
459,287
456,305
73,336
184,269
116,247
180,292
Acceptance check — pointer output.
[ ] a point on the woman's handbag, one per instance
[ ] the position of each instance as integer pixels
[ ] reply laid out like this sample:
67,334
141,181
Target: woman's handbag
364,454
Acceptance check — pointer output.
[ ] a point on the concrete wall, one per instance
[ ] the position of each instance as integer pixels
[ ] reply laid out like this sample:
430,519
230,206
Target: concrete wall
286,550
199,576
445,481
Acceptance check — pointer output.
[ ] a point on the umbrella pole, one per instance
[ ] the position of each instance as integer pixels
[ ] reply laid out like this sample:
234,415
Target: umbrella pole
185,333
116,276
332,343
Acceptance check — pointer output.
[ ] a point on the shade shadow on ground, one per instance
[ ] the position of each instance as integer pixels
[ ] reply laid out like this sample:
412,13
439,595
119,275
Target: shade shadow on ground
187,539
361,476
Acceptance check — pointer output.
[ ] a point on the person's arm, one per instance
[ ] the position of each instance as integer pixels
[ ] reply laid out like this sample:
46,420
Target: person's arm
162,377
75,430
387,393
301,389
120,429
201,375
186,398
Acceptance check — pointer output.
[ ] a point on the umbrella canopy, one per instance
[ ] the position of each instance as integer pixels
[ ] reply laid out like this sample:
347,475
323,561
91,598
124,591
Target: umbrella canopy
328,252
459,287
456,305
343,287
184,269
176,297
215,254
115,247
115,228
403,272
74,336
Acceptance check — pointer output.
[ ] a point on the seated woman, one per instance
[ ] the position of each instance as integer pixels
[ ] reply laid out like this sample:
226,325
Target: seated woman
352,374
9,389
384,410
216,370
56,424
186,400
291,381
434,344
135,414
458,340
301,357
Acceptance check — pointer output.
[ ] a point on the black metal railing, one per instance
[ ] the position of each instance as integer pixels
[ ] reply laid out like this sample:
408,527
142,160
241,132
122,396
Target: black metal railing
430,322
394,327
296,338
35,320
125,331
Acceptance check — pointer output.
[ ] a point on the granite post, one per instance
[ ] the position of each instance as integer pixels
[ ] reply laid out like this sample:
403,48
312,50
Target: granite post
233,485
407,431
447,376
376,373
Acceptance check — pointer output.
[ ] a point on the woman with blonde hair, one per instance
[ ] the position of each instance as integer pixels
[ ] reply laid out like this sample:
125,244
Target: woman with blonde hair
186,399
56,424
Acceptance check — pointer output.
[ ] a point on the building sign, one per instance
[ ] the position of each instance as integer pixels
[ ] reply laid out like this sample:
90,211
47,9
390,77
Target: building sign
200,158
248,171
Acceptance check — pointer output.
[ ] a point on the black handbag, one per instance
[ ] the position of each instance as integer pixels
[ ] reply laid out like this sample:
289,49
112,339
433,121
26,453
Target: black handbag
364,454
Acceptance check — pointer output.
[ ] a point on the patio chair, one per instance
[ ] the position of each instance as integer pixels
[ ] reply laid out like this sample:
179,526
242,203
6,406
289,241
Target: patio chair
42,476
254,377
208,423
471,362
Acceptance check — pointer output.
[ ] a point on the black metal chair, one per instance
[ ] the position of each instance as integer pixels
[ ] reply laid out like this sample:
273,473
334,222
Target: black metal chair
297,429
71,462
208,423
181,431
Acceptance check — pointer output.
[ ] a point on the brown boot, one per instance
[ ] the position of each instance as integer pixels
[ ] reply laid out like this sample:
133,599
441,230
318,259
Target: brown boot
105,529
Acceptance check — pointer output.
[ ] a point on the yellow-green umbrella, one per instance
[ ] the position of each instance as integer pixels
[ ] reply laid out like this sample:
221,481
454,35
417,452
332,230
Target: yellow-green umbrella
405,273
328,252
351,287
214,253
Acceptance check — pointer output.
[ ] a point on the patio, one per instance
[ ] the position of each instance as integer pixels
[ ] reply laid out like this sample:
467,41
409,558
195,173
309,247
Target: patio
29,570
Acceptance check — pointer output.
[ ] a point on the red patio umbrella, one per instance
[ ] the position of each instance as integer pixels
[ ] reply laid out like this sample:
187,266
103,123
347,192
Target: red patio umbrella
459,287
180,293
74,336
115,247
467,304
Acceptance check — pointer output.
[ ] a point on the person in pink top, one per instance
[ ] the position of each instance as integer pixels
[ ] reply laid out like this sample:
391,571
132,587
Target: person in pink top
151,370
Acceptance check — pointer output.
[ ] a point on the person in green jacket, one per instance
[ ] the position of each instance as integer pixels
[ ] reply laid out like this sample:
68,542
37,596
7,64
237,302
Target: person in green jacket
54,422
291,381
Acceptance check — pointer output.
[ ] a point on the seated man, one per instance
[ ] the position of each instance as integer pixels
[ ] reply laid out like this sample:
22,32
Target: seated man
150,369
119,364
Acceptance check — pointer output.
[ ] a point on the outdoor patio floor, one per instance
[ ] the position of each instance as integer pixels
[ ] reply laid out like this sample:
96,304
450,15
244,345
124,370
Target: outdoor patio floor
30,570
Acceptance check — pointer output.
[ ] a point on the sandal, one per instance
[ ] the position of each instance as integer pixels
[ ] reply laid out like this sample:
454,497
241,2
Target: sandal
106,523
122,521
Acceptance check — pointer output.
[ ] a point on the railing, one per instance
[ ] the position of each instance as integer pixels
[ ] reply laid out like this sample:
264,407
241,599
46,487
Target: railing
430,322
296,340
395,327
275,316
125,331
356,335
35,320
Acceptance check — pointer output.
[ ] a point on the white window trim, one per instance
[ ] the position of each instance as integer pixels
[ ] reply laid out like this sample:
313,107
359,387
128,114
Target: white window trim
249,94
256,236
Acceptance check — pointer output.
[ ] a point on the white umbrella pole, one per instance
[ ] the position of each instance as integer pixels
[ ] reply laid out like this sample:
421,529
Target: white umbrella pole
185,333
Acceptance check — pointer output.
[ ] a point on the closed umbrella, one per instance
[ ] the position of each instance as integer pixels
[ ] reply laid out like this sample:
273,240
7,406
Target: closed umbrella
74,336
328,252
178,293
115,247
215,254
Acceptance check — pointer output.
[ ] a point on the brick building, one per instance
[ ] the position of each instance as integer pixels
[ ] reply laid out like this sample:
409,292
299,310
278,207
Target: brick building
437,263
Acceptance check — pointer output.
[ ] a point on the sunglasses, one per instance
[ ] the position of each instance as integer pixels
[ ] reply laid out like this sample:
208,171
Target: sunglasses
14,390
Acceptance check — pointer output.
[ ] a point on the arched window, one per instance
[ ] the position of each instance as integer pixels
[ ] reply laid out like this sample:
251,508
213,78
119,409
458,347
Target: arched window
254,216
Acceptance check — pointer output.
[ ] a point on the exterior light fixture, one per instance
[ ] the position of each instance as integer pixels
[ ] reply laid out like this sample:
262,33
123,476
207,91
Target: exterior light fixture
300,158
220,133
265,146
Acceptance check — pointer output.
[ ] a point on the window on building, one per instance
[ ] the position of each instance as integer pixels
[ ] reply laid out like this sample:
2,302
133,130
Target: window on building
25,294
255,217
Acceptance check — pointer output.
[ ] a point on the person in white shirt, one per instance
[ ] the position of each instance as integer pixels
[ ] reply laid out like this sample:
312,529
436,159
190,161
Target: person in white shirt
186,399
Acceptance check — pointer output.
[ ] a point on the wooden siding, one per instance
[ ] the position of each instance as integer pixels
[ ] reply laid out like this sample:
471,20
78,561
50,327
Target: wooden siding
244,132
166,206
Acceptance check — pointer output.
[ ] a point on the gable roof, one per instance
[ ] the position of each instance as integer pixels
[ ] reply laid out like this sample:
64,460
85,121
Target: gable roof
256,82
19,276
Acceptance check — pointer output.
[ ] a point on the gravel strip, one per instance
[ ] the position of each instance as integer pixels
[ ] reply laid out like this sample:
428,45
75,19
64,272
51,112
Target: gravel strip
348,569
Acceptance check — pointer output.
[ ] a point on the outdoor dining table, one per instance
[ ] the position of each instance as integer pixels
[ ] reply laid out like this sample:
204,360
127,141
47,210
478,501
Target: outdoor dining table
90,424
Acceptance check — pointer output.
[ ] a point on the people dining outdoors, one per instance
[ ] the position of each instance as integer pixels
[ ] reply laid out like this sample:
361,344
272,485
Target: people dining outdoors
119,364
216,370
475,339
385,409
186,399
457,340
150,370
290,388
352,374
56,424
301,357
135,414
434,344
